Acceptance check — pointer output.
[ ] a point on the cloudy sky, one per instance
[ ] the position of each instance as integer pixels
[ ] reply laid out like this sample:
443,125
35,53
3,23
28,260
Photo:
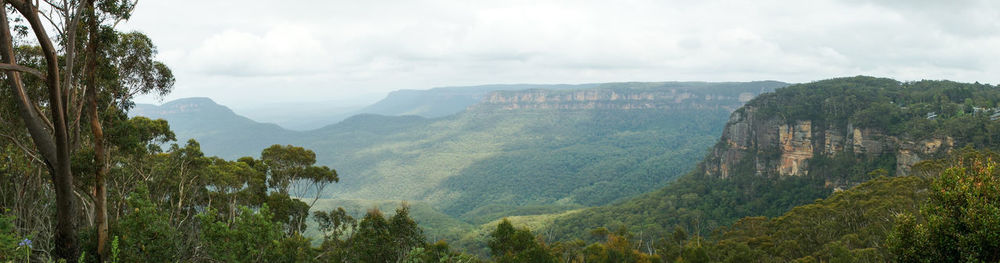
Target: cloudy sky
244,53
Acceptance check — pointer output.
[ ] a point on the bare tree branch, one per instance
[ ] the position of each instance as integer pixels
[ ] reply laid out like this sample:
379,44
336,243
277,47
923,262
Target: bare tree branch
41,113
31,115
55,25
29,70
24,149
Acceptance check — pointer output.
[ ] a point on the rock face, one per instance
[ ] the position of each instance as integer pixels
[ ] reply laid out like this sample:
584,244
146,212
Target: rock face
796,148
770,145
180,106
622,99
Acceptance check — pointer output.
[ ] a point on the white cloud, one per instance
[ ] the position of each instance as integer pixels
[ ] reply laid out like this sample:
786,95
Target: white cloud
282,50
351,49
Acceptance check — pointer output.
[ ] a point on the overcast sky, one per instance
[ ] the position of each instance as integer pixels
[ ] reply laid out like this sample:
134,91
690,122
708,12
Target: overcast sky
247,52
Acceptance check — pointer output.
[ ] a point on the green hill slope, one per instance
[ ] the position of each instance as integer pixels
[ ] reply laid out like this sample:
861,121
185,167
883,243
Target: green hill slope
519,150
802,142
220,131
857,221
515,152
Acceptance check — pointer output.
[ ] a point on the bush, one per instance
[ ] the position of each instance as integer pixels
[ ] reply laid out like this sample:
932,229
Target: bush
145,232
250,237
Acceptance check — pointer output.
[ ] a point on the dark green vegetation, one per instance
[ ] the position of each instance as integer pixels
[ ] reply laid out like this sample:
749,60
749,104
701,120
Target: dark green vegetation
848,226
948,214
494,160
695,202
79,180
520,158
230,136
702,201
180,205
959,222
917,110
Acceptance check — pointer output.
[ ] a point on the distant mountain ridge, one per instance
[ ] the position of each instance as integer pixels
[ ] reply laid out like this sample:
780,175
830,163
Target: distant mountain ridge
440,102
490,160
218,129
803,142
632,95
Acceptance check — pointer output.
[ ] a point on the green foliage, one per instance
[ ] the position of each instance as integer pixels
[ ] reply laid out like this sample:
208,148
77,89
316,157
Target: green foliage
405,231
852,223
293,249
288,211
139,135
517,245
288,164
700,202
512,159
696,202
374,238
438,252
485,164
961,220
618,247
250,237
962,110
115,251
501,158
373,232
145,231
335,224
8,239
222,132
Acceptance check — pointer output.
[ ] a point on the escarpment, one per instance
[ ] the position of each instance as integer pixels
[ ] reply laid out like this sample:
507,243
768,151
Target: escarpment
769,145
611,99
631,96
799,132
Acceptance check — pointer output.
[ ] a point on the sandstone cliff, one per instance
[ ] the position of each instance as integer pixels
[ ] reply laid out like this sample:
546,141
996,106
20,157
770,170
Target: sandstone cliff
631,96
753,143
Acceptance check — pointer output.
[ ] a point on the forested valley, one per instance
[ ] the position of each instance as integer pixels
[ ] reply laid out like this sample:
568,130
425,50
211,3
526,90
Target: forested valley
855,169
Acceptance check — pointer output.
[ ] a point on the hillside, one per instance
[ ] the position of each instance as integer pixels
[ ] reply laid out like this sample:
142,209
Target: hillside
804,141
440,102
563,148
857,221
220,131
524,152
300,116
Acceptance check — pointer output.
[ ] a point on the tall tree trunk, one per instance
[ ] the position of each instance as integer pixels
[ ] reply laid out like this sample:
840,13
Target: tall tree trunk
62,176
100,188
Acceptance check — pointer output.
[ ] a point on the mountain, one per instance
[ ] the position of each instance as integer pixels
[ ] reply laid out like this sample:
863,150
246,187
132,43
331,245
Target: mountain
514,152
440,102
803,142
853,224
219,130
566,148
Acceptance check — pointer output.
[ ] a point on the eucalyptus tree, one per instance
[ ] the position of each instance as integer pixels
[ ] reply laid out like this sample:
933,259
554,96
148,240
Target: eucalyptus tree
291,173
50,93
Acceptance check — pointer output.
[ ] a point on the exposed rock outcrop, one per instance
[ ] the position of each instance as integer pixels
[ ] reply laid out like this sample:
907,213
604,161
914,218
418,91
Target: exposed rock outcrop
771,145
796,148
619,98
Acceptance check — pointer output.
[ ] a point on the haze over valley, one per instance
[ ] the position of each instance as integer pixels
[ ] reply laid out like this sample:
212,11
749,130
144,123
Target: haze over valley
499,131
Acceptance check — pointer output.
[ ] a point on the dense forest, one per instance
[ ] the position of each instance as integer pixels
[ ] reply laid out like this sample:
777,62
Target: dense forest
488,162
81,181
700,202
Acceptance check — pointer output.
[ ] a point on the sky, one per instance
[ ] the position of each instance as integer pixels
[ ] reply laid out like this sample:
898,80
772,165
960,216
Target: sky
247,53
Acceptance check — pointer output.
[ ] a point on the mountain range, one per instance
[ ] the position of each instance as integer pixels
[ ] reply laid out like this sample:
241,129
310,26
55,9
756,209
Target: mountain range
767,170
523,150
